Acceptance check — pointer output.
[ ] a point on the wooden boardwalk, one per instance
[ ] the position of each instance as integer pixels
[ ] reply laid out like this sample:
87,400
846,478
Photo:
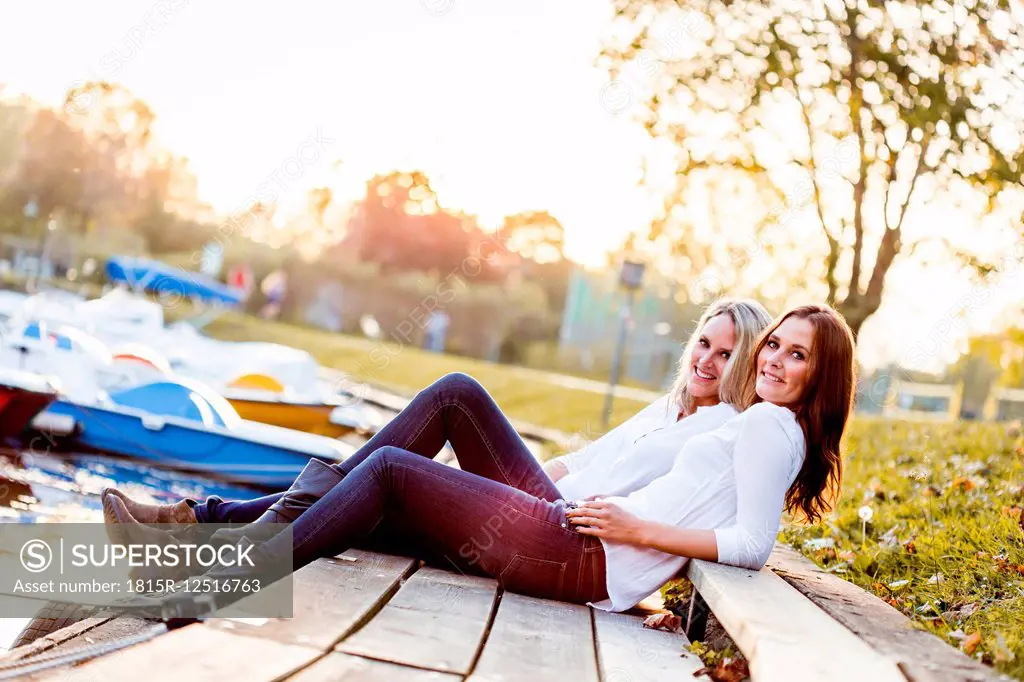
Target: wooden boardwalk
364,616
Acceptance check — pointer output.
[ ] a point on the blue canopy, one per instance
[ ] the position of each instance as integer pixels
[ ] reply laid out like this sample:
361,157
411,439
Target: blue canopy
180,398
163,279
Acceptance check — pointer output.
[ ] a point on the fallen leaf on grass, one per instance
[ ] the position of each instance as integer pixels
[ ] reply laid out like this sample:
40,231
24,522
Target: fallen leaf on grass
826,555
1012,512
971,643
959,613
965,484
728,670
664,621
1005,566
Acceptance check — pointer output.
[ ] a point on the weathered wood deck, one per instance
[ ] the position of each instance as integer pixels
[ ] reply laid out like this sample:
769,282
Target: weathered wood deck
365,616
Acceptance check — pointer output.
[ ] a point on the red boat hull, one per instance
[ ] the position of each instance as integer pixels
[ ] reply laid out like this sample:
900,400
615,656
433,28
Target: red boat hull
18,406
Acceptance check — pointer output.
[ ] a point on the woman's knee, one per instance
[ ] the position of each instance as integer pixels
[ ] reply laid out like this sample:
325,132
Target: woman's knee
389,454
459,383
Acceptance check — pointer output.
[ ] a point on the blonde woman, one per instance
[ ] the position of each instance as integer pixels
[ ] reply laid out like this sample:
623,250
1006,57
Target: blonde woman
711,377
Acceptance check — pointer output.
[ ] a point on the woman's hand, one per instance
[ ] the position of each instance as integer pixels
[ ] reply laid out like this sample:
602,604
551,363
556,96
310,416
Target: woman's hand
607,521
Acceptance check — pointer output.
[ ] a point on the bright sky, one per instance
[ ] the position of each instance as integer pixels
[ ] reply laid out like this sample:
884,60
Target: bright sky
498,101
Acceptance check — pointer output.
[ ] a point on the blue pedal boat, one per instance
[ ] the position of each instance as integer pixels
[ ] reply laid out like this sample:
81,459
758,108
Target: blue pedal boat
181,424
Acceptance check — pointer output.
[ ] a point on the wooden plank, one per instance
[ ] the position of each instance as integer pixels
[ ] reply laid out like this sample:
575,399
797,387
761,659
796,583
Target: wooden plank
437,621
48,642
783,635
111,629
332,598
194,652
536,639
626,650
921,655
345,668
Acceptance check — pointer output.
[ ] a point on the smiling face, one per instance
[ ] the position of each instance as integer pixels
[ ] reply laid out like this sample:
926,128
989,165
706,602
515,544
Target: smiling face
708,360
783,368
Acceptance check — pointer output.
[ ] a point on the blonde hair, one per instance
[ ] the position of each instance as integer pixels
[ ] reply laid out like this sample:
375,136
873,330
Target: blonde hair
749,318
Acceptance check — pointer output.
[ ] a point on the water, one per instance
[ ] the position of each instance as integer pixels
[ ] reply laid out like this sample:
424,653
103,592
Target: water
66,488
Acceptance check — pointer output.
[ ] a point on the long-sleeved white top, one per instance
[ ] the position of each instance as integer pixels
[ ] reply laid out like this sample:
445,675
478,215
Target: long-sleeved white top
732,480
637,451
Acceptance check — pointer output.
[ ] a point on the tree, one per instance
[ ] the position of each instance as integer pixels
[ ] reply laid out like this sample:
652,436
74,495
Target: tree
15,118
47,169
993,360
539,239
400,225
977,370
128,179
860,106
536,235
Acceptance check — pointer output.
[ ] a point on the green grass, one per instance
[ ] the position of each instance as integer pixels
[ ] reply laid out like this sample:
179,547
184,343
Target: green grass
945,498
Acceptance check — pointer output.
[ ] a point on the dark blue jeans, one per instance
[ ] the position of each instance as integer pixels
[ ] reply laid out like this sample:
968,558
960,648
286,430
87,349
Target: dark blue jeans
456,409
499,516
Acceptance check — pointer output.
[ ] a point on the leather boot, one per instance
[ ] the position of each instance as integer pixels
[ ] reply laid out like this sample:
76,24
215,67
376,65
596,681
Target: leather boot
178,513
127,530
315,481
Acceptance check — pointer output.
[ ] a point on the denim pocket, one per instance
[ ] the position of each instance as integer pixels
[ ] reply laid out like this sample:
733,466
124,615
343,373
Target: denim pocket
534,577
598,584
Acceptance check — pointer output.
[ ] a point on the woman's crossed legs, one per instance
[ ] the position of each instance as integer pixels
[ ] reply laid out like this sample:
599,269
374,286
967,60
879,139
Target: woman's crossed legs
454,409
412,505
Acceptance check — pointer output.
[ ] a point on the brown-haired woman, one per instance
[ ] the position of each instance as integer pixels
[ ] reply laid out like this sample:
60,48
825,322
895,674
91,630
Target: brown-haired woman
723,499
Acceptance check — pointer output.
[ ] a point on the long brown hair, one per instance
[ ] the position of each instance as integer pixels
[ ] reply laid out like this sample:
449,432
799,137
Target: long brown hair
823,410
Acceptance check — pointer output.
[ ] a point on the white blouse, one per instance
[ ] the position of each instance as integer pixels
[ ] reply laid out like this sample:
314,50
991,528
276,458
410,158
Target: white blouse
732,480
637,451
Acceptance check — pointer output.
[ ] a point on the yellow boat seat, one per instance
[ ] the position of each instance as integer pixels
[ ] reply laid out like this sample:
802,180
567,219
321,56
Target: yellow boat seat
259,382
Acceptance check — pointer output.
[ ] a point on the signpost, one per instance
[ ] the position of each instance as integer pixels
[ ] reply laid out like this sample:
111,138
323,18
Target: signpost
631,278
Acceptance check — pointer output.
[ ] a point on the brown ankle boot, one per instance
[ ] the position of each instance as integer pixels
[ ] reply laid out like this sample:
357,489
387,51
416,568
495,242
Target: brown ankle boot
179,512
124,529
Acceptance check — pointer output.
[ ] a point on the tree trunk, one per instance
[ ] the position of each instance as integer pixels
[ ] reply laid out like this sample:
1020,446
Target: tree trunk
856,310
